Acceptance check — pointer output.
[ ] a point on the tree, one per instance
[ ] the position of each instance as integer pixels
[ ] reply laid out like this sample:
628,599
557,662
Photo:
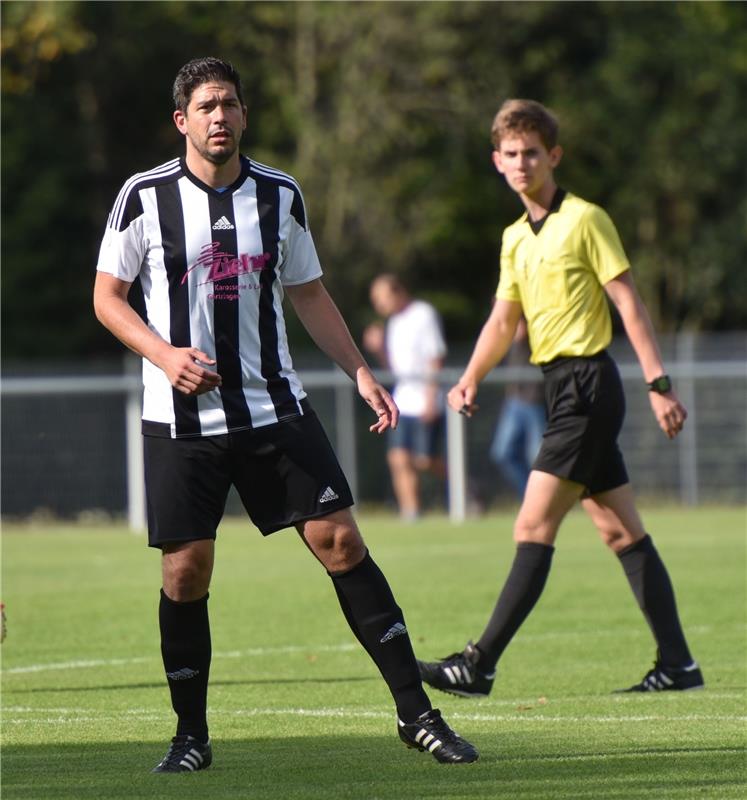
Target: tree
382,111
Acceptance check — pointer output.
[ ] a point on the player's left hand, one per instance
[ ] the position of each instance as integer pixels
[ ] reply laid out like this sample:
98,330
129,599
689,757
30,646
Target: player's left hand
669,412
380,401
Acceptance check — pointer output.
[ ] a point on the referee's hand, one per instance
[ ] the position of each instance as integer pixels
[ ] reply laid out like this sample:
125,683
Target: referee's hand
186,369
669,412
461,398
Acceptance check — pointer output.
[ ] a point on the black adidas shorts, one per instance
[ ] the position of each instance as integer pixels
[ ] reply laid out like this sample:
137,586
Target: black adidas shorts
585,412
284,473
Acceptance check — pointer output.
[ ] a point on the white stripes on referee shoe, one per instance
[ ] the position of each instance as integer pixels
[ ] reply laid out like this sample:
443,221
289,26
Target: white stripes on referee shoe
458,674
657,681
427,740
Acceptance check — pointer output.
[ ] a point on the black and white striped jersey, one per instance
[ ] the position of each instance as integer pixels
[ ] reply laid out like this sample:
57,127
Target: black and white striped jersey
212,266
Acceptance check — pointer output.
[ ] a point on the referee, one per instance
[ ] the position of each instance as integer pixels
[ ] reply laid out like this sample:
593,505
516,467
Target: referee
216,240
559,263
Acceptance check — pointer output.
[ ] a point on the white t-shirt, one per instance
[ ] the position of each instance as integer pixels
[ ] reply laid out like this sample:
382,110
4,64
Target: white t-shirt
414,340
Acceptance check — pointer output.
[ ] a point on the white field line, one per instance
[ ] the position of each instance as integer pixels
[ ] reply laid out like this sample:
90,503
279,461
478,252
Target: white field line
67,715
116,662
254,652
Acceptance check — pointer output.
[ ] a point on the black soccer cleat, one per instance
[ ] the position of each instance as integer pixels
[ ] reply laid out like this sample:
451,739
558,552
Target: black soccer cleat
186,754
458,674
669,679
430,732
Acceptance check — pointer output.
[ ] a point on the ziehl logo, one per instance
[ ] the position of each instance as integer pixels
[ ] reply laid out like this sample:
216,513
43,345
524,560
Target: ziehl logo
223,265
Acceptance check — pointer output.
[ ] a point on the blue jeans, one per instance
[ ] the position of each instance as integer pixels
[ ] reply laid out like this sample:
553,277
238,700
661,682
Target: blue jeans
517,440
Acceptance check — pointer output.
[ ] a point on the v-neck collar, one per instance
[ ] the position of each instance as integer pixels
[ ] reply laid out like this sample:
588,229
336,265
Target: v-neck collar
557,200
226,191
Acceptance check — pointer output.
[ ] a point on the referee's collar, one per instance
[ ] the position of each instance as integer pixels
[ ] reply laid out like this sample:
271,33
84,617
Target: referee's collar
557,200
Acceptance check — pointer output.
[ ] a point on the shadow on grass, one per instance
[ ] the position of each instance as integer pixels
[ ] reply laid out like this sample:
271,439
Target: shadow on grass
369,768
162,684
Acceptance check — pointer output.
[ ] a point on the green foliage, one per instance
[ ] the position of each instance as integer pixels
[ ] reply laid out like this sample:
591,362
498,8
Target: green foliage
382,111
298,711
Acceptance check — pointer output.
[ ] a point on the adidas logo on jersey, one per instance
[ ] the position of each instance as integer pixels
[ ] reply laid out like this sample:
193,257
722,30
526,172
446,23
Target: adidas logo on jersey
398,629
328,495
222,225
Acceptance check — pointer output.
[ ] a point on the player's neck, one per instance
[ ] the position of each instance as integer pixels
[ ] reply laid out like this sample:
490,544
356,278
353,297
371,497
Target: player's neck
214,175
538,204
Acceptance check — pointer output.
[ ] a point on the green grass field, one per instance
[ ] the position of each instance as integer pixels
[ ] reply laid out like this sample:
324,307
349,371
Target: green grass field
298,711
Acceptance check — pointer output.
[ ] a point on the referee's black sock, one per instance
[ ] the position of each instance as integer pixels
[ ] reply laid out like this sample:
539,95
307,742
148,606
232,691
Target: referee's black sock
649,580
522,589
377,622
186,651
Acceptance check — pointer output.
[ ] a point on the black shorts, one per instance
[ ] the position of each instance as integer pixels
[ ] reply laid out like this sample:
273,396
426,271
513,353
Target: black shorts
585,412
284,473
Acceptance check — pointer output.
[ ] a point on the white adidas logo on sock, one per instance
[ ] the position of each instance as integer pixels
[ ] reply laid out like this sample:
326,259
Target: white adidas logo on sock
328,495
182,674
398,629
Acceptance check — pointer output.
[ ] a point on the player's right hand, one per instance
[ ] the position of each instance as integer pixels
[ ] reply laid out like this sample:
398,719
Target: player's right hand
186,370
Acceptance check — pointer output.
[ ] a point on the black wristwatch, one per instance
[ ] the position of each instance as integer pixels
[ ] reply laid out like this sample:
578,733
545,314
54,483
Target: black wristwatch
660,385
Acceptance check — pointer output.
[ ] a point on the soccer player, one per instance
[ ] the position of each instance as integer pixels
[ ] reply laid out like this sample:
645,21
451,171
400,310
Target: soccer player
559,263
413,347
217,240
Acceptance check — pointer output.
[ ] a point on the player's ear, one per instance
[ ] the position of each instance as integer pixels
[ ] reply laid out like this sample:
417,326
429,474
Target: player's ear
180,120
556,154
497,162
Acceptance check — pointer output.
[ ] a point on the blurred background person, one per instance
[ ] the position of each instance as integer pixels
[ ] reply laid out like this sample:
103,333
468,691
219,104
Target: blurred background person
411,344
521,422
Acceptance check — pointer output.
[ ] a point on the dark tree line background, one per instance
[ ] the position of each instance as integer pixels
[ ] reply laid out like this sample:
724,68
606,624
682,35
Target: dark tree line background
382,111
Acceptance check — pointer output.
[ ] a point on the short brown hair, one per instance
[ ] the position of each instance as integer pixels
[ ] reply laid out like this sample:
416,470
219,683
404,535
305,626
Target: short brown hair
202,70
522,116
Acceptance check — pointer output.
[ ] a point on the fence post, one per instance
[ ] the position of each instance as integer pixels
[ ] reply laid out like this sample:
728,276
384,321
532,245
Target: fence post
135,467
345,425
456,466
688,438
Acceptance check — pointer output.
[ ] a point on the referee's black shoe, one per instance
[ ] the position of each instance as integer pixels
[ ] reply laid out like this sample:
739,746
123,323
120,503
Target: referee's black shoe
669,679
458,674
186,754
430,732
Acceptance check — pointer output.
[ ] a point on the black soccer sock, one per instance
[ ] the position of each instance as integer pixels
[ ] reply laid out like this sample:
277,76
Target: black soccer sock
522,589
186,651
649,580
377,622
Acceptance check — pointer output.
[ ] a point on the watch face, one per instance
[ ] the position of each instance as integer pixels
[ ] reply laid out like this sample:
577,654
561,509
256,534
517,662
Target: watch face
662,384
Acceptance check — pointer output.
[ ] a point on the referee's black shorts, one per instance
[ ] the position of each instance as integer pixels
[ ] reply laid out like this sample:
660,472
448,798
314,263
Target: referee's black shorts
585,412
284,473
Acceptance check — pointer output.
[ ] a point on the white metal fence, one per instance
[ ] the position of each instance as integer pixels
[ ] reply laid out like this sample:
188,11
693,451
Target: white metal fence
71,444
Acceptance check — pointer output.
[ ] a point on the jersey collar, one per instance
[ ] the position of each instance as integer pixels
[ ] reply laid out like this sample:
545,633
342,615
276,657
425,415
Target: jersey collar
557,200
228,190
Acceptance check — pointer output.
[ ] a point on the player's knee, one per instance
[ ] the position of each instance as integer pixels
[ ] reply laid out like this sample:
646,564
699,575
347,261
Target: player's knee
336,542
527,529
185,579
618,538
347,550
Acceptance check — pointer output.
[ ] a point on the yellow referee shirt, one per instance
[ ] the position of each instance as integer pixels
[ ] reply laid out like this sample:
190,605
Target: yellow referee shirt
557,275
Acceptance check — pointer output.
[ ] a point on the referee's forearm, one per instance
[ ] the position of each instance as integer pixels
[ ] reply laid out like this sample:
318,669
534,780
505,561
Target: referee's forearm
492,344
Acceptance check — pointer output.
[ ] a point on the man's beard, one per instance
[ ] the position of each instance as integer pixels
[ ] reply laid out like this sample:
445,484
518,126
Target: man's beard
219,158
